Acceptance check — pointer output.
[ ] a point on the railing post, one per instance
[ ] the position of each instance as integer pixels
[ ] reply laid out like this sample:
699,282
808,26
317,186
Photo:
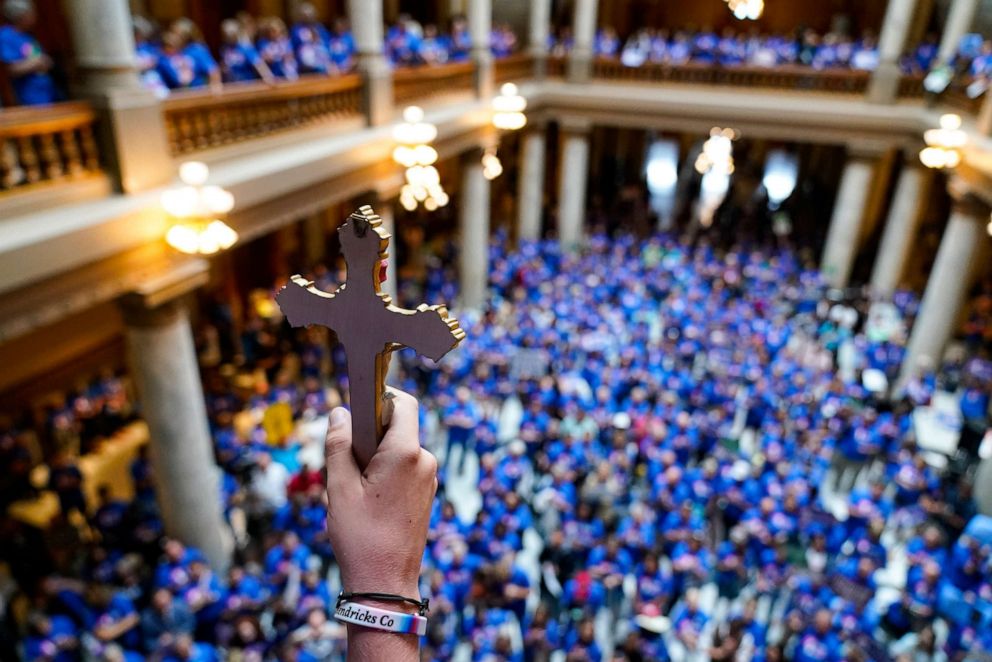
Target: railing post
480,26
584,34
539,30
131,126
885,81
377,78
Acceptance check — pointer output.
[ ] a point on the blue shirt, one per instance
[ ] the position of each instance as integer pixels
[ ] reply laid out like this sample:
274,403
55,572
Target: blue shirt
239,62
34,88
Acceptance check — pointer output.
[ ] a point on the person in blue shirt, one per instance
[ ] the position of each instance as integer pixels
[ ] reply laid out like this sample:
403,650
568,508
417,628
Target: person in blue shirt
434,48
239,60
461,419
148,54
819,642
165,620
51,638
205,69
461,41
27,65
310,41
277,51
402,44
341,46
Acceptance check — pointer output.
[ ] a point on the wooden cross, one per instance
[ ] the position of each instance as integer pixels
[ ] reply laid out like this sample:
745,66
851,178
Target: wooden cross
368,325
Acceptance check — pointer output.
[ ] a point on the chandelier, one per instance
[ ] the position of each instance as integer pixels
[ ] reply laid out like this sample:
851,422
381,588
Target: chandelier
197,208
944,145
491,166
508,108
718,153
749,10
415,153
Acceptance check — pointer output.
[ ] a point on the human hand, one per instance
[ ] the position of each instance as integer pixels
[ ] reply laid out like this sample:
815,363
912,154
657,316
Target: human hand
377,520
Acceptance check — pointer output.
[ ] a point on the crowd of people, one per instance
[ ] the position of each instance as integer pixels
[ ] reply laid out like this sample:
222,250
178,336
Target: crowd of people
686,431
805,47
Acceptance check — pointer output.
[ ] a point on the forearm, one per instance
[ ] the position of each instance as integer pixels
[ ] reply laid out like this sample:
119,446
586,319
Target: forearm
366,645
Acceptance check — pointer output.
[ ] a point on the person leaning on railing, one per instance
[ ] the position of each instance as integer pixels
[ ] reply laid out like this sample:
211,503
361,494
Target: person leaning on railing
26,64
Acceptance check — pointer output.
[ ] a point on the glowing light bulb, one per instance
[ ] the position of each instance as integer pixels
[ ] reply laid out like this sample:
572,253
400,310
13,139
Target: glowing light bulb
194,173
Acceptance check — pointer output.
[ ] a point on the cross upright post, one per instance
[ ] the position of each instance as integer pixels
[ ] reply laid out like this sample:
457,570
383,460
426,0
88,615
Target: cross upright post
368,324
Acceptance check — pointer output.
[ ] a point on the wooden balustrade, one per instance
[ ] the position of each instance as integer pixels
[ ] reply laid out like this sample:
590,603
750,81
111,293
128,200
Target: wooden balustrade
420,83
44,144
202,119
519,66
794,77
556,66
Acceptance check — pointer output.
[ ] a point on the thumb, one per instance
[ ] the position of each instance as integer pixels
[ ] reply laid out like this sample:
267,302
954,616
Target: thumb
338,458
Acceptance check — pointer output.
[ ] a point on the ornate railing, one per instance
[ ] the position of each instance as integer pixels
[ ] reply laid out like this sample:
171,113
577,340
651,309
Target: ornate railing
556,66
956,98
782,77
419,83
518,66
911,87
44,144
202,119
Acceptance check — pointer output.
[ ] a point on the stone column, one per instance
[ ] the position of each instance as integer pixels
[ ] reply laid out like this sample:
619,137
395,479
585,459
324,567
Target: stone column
132,131
480,28
900,227
384,208
187,480
366,27
844,235
583,35
530,185
885,81
949,280
474,226
574,173
539,29
959,20
983,487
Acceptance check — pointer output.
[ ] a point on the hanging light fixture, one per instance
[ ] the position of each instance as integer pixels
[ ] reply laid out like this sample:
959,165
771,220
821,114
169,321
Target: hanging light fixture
197,210
746,10
718,152
944,145
491,166
415,153
508,108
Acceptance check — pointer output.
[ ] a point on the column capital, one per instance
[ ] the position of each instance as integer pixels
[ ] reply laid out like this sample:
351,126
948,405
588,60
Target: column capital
570,124
866,150
966,201
138,315
157,292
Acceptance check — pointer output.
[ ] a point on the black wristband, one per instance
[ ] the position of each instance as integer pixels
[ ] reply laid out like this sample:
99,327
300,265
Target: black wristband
423,606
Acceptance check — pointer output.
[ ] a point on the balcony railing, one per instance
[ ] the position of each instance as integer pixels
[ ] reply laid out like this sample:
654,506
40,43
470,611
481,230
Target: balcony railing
202,119
782,77
420,83
518,66
47,144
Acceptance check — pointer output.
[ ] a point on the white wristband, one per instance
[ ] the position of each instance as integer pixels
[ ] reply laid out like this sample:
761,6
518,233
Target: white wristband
380,619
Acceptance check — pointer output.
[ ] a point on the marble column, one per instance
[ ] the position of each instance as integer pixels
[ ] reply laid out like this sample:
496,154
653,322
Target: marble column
530,186
187,480
474,227
132,131
900,228
958,23
949,280
884,84
583,36
844,235
574,173
385,209
539,30
983,487
366,27
480,28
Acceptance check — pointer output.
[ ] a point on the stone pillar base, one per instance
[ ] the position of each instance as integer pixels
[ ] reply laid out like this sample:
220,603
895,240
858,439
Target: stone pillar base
133,140
579,67
884,85
483,79
377,89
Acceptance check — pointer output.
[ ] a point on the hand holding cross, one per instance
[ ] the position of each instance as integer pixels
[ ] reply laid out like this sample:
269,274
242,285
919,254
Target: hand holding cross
368,325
